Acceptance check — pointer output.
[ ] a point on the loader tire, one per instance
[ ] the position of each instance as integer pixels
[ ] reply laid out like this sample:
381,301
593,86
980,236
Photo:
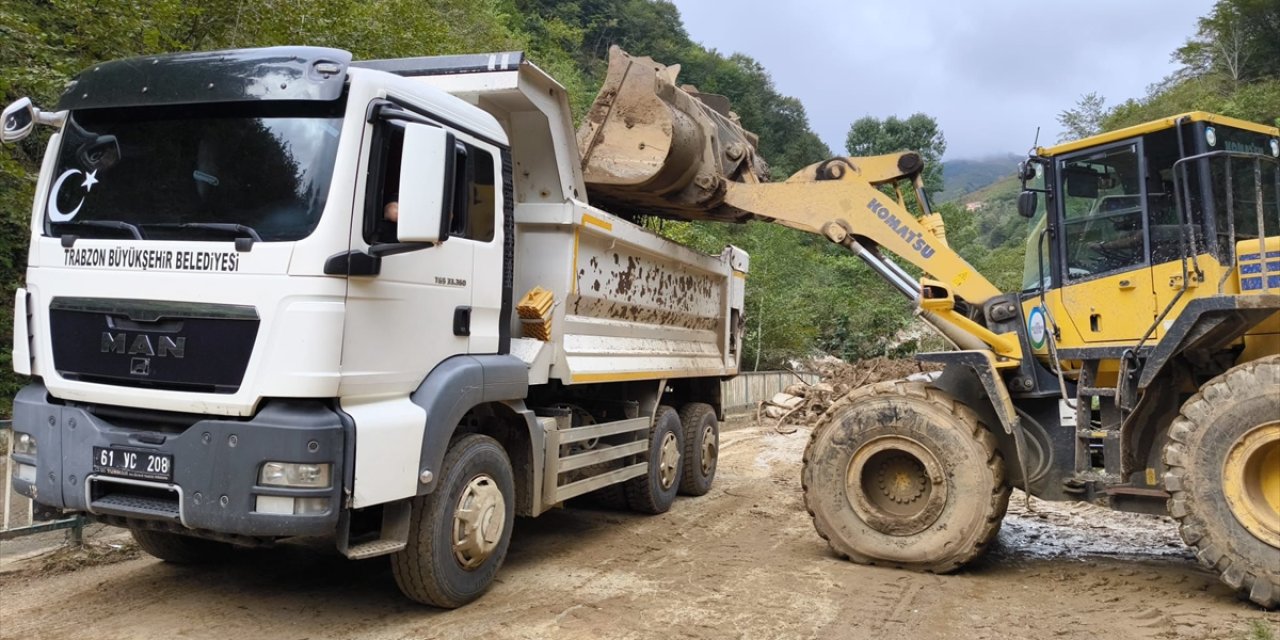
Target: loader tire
1222,471
459,534
655,491
901,474
179,549
701,448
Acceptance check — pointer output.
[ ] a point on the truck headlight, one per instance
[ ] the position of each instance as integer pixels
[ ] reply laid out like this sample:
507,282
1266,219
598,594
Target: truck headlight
24,444
295,474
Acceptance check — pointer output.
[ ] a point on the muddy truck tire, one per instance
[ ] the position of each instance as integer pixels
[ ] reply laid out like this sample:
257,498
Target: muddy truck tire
701,448
655,491
459,534
901,474
179,549
1222,466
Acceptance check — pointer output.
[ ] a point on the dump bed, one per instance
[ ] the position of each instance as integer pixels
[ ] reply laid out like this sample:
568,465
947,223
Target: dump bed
619,301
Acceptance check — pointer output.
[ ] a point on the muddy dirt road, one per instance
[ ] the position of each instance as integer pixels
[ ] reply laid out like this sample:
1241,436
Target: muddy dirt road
742,562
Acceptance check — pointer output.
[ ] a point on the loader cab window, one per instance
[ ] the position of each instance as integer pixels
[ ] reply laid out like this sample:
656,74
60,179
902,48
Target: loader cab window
1103,211
1168,234
1036,266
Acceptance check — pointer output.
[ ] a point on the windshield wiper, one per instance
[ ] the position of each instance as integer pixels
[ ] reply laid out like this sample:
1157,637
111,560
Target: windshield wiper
133,229
237,230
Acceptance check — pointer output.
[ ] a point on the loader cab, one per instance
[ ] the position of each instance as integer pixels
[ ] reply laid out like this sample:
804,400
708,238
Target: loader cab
1120,215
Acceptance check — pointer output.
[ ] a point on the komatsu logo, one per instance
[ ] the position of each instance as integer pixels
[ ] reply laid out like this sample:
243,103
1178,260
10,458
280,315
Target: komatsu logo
140,345
913,238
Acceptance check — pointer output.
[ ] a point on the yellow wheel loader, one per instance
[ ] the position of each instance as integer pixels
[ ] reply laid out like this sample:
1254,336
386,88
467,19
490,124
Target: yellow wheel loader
1138,368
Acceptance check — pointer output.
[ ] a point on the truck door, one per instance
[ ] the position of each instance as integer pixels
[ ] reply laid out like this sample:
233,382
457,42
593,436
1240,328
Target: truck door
478,220
1107,293
402,298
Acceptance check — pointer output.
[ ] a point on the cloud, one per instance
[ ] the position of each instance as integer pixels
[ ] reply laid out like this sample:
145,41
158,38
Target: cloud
990,71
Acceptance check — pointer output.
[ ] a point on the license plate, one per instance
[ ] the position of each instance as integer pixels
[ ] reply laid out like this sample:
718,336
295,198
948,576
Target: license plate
132,463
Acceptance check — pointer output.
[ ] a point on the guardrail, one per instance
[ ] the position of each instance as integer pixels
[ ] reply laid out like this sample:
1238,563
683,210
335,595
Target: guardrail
11,527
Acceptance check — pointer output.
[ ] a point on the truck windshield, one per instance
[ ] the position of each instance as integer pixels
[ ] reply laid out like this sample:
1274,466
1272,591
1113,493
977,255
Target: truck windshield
203,172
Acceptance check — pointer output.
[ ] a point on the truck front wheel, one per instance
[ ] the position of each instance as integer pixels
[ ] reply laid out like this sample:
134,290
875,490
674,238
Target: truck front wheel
459,534
179,549
901,474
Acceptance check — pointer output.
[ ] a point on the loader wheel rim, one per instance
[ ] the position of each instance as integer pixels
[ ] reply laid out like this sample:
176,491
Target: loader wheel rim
669,461
1251,481
478,521
708,450
896,485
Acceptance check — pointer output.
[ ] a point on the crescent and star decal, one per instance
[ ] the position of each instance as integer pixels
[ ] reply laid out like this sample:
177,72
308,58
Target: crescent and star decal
56,215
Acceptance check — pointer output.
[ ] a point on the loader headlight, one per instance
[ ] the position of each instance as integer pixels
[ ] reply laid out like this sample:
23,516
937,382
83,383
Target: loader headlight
1211,136
1275,148
293,474
24,444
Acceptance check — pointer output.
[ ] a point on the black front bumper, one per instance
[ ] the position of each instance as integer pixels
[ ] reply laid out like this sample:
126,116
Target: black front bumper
216,465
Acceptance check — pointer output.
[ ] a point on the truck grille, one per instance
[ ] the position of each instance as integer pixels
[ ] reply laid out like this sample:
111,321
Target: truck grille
153,343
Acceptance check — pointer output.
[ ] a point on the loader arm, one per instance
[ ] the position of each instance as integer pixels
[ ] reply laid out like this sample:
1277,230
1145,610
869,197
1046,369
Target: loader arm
841,200
651,148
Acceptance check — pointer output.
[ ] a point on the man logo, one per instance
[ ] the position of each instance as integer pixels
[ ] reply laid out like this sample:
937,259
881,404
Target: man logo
141,345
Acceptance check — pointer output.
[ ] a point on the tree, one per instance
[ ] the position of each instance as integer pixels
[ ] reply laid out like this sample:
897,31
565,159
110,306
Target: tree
1239,40
1230,66
1084,120
871,136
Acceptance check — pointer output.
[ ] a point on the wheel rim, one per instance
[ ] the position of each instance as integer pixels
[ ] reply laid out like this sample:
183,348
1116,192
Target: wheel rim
478,521
896,485
1251,481
708,450
668,460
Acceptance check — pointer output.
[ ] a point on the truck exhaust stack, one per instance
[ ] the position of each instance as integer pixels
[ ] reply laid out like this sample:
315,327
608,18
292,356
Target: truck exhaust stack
651,147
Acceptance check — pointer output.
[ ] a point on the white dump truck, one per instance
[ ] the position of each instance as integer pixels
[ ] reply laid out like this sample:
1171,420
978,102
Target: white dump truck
276,293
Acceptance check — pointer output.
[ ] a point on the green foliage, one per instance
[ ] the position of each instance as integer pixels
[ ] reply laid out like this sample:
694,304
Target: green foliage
1083,120
871,136
1230,66
1237,40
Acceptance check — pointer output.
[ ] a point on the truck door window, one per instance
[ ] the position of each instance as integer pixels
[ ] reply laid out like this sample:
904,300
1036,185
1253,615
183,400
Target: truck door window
1103,212
473,194
383,192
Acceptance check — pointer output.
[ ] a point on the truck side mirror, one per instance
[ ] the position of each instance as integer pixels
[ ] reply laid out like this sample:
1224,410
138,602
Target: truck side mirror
427,171
19,119
1027,201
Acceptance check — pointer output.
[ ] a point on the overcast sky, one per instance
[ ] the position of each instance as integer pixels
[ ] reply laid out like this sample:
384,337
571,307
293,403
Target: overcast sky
990,71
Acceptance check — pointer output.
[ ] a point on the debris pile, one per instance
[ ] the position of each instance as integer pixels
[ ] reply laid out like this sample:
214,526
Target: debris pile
803,404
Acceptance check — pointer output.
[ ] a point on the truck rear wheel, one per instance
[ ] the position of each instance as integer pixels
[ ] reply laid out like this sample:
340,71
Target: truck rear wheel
655,491
179,549
901,474
458,535
1222,466
701,448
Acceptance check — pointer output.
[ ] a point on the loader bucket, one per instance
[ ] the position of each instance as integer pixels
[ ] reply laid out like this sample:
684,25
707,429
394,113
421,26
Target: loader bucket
651,147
